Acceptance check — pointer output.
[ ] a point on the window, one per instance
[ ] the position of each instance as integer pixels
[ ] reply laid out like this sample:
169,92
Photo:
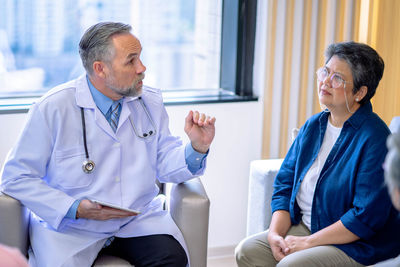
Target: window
39,41
189,46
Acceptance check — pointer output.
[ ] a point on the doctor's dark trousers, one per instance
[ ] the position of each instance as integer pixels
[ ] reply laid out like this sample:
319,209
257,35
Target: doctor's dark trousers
152,250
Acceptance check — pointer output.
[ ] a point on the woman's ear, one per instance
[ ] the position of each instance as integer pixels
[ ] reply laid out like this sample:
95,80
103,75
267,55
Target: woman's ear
361,93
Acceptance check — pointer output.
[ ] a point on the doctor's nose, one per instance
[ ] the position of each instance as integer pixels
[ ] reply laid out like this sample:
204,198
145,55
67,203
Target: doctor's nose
141,68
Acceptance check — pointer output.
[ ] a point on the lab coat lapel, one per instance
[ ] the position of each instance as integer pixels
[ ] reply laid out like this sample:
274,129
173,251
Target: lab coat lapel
83,96
85,100
125,112
103,123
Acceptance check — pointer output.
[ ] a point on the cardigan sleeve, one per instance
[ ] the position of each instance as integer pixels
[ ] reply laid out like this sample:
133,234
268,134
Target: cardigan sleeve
371,202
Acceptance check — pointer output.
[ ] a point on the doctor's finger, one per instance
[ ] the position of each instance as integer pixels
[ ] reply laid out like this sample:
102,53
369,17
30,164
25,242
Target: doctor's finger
206,120
88,204
189,116
111,213
202,119
188,121
114,216
86,208
210,121
196,116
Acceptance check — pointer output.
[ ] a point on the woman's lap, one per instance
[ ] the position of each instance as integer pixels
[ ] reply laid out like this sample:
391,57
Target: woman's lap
255,251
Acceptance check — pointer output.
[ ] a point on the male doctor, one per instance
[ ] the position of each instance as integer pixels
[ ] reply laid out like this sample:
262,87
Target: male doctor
103,137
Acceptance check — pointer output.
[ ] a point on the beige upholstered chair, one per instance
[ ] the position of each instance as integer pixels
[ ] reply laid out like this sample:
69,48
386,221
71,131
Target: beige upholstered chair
187,202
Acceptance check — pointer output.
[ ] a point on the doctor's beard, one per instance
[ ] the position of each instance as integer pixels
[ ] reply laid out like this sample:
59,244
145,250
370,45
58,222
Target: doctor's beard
133,90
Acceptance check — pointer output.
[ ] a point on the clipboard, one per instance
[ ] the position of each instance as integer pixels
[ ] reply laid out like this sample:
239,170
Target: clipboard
114,206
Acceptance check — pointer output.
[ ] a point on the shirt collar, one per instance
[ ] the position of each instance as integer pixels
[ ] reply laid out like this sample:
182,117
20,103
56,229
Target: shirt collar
356,119
102,102
360,115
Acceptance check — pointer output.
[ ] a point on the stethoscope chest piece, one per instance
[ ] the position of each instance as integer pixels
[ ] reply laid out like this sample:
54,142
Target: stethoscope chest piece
88,166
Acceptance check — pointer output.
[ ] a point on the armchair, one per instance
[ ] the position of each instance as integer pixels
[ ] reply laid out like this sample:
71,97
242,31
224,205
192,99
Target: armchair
188,203
261,187
261,181
395,124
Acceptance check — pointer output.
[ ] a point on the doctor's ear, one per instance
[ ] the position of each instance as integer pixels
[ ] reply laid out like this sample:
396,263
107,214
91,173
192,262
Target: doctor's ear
99,69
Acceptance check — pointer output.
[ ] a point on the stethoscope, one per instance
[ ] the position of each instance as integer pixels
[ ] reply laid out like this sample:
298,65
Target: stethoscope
88,164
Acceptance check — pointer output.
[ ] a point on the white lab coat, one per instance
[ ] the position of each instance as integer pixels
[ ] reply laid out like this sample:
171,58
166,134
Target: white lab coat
44,171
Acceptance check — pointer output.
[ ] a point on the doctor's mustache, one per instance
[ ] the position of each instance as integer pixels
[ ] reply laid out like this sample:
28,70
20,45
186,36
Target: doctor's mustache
140,77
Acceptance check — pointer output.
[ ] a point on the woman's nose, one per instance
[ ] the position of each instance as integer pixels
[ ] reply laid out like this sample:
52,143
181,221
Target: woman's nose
327,79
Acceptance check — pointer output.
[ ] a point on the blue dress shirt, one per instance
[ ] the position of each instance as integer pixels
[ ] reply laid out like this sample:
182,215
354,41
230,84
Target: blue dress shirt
350,187
194,159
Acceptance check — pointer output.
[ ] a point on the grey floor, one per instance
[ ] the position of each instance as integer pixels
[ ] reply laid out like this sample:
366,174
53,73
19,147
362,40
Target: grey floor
221,262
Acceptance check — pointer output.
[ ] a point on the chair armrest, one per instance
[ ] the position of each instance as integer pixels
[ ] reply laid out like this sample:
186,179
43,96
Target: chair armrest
395,124
189,206
261,181
14,221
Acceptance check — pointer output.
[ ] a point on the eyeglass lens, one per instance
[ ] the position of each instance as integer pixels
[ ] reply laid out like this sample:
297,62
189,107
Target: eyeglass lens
335,79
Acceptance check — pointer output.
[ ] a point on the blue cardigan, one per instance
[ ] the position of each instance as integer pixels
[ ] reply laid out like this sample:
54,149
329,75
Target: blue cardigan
350,187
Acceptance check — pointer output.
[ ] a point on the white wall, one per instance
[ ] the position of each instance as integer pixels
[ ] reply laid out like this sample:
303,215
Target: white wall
11,126
237,142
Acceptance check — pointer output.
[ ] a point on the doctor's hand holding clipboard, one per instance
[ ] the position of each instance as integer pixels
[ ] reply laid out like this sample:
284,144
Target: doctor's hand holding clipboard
91,209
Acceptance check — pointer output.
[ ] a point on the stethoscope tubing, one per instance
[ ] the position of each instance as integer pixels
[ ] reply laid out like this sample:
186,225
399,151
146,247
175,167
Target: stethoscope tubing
145,135
88,165
84,133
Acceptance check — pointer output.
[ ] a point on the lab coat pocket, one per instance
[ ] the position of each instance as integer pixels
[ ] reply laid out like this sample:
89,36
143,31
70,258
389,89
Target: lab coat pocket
150,139
69,165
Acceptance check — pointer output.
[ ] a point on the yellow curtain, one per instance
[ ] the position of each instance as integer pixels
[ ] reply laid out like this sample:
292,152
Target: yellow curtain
298,32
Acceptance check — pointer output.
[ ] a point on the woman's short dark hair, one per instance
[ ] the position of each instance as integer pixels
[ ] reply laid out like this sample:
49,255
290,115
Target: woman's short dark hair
96,43
365,63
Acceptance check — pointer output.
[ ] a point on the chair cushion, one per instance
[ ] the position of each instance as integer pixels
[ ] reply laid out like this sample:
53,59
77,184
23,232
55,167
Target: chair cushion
108,260
261,180
395,124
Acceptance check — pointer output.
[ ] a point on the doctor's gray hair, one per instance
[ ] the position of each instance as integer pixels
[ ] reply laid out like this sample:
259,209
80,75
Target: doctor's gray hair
96,44
392,162
365,63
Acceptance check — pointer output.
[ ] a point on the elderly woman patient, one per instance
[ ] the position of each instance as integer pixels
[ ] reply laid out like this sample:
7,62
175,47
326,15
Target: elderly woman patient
330,206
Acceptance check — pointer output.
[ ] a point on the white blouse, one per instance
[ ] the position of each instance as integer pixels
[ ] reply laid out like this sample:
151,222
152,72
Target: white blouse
305,195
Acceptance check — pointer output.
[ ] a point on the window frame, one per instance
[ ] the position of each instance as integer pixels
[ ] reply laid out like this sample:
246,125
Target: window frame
236,73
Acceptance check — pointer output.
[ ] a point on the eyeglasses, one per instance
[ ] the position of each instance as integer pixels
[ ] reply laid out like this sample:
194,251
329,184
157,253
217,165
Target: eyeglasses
336,80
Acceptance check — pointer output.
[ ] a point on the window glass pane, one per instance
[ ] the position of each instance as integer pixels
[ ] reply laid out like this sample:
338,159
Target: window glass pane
39,41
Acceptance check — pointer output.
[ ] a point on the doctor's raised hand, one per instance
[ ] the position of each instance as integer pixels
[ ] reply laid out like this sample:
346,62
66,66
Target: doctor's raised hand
200,130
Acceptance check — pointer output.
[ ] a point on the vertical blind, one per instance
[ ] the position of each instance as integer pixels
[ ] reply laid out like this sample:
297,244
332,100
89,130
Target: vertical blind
298,32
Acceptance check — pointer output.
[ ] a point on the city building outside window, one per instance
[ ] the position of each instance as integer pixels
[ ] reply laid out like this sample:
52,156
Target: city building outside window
181,41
